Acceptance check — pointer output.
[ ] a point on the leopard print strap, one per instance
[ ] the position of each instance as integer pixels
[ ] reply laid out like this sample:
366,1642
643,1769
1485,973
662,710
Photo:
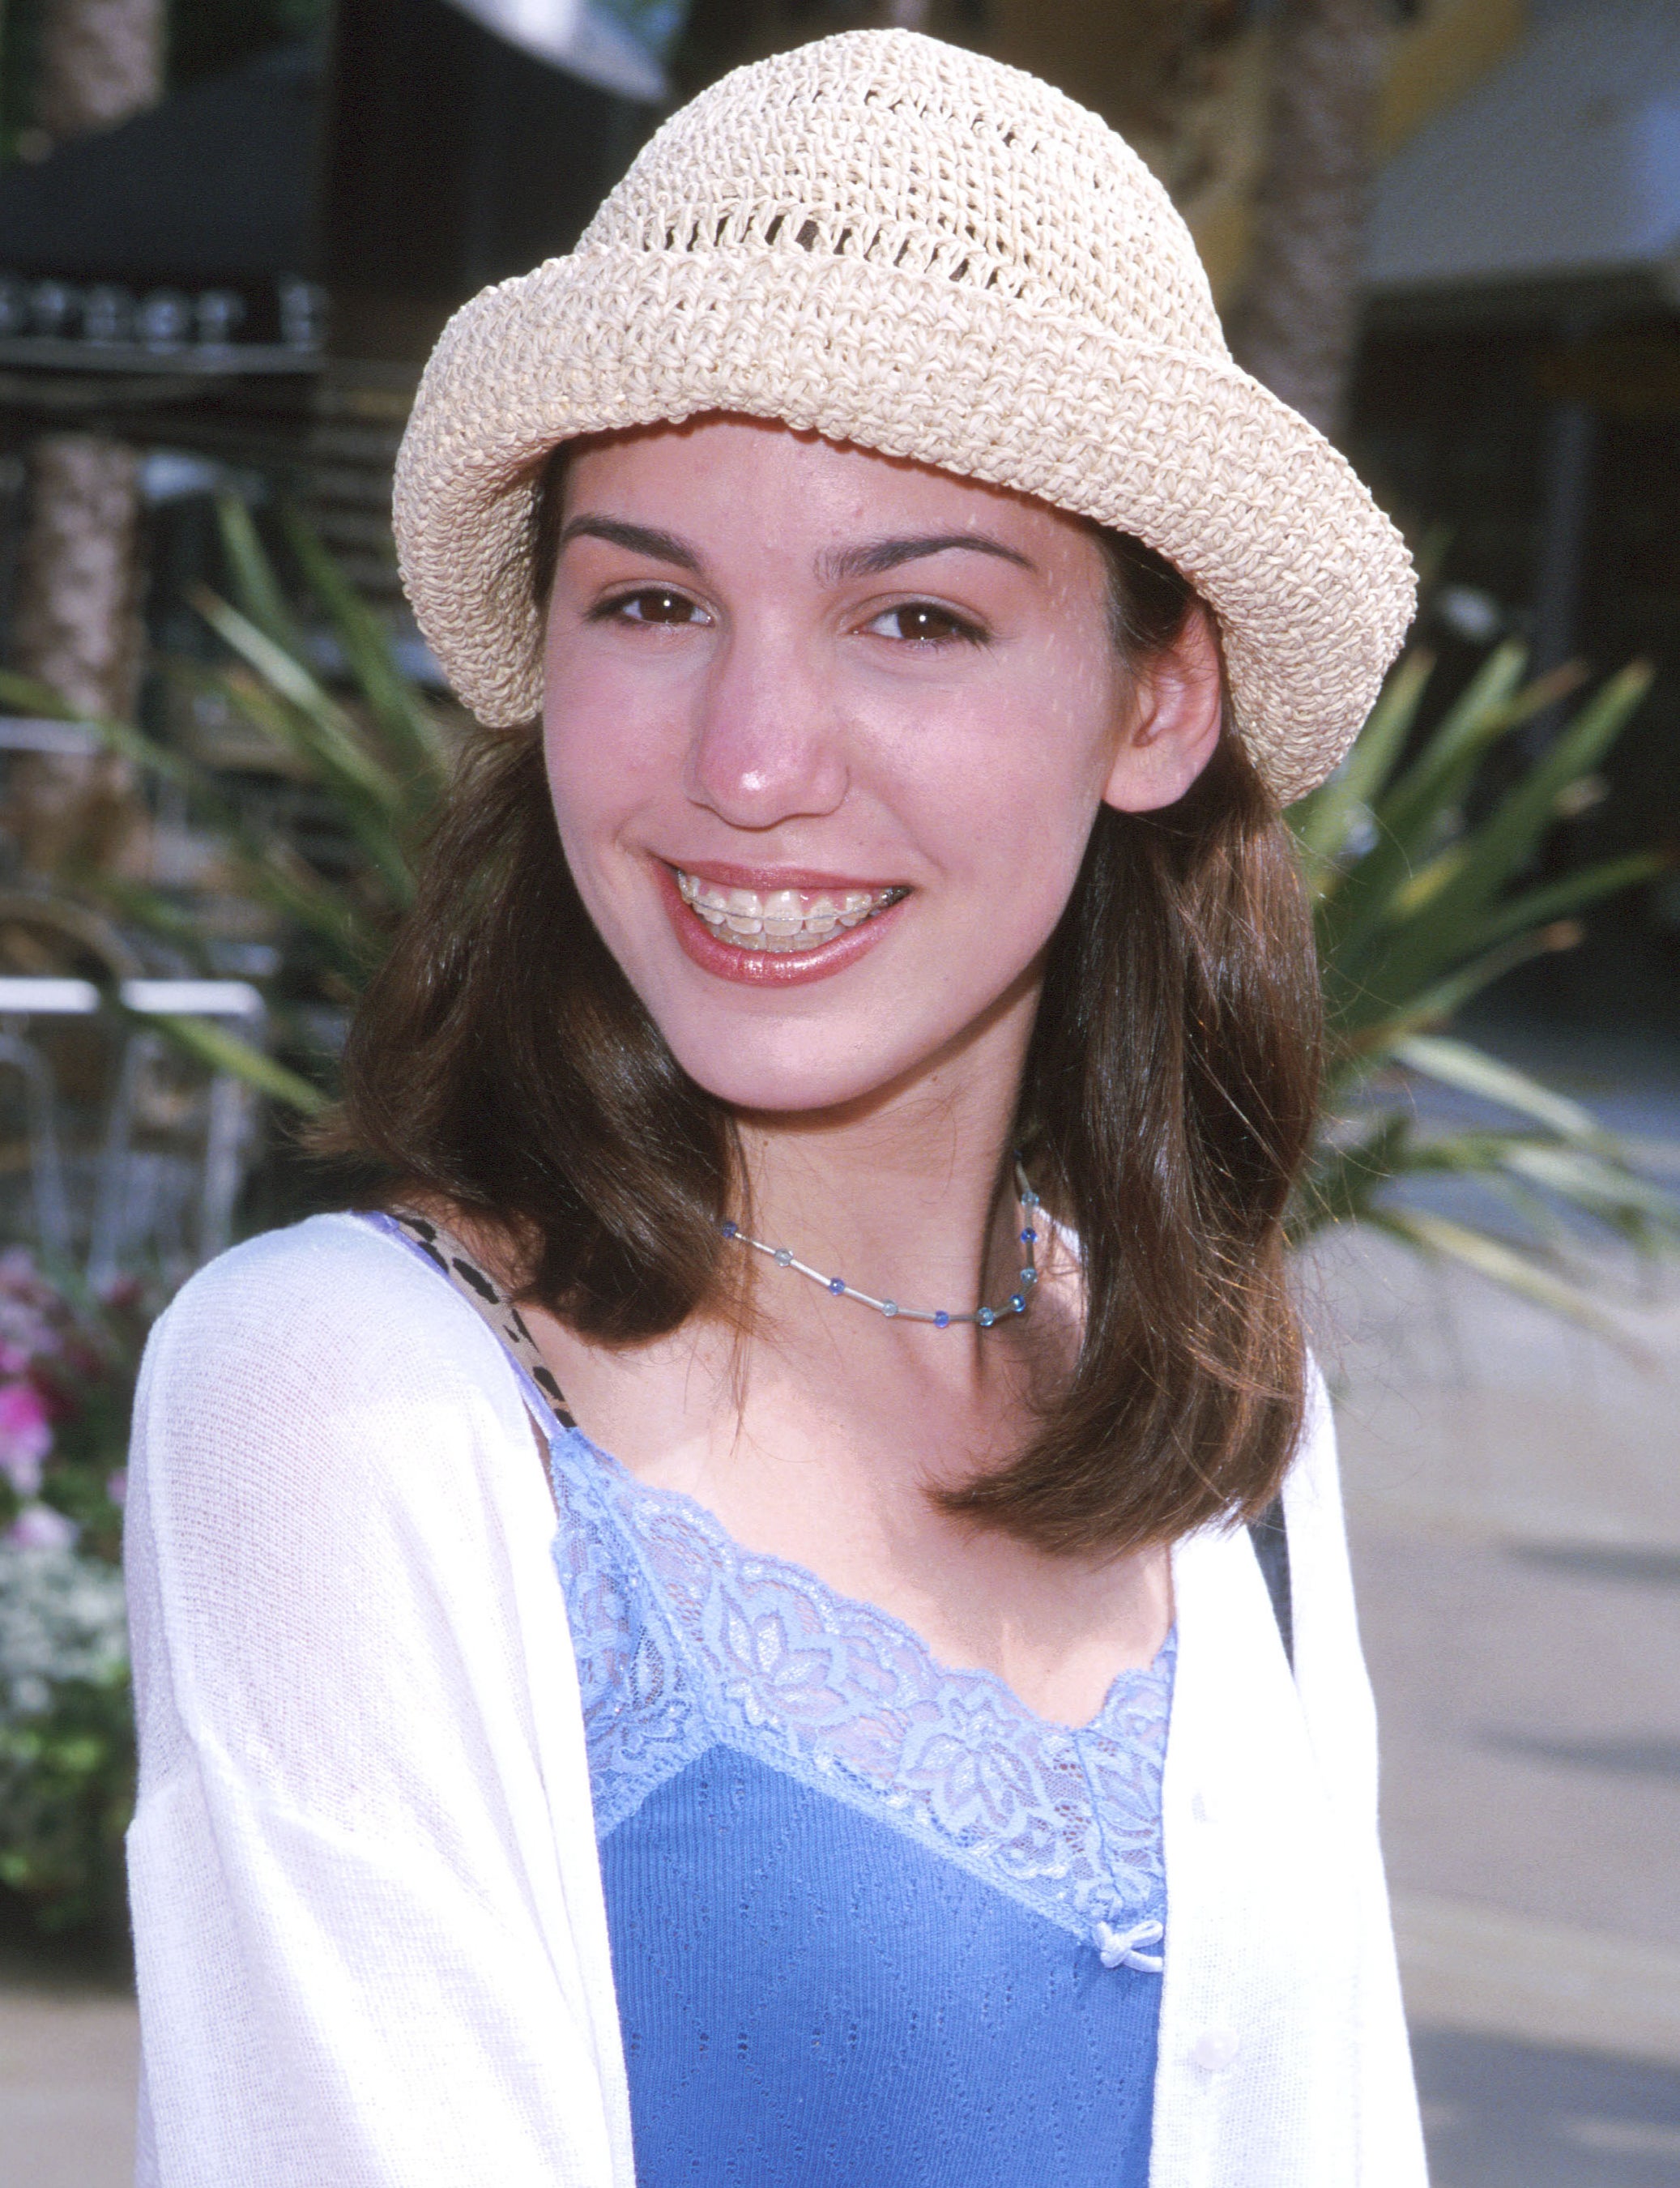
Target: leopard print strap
487,1298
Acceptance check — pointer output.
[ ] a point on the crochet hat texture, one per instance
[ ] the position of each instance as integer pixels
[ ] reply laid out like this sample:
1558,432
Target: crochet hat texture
897,243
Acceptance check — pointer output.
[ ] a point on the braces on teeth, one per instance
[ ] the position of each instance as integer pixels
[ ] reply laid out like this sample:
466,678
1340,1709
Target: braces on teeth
783,919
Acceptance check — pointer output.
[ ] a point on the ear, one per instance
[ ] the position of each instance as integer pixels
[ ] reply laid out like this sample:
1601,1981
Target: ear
1173,719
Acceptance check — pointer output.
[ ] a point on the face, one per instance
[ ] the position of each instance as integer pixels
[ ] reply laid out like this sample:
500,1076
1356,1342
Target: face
826,734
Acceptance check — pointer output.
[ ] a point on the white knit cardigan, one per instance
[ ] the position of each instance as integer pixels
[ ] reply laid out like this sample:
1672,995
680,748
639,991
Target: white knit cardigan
371,1939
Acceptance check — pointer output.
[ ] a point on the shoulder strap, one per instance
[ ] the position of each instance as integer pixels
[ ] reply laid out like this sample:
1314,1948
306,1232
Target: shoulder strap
485,1297
1271,1538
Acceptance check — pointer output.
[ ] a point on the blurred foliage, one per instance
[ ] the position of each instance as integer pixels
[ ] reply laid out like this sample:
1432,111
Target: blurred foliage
1427,887
378,757
68,1363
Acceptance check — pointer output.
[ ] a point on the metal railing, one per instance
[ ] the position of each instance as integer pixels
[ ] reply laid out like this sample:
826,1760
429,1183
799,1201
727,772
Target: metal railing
127,1180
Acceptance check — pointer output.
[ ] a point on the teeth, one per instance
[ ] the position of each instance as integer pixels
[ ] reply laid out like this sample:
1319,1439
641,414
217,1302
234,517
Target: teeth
782,919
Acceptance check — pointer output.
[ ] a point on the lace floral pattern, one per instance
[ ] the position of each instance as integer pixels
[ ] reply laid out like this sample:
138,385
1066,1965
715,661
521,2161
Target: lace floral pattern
686,1639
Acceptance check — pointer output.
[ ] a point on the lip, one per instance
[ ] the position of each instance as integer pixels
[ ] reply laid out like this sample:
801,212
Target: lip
768,968
764,879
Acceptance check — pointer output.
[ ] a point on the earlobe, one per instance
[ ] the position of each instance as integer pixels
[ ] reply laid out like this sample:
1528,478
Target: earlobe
1176,712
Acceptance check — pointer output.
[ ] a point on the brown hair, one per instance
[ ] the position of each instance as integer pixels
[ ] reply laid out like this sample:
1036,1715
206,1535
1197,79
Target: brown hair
1165,1110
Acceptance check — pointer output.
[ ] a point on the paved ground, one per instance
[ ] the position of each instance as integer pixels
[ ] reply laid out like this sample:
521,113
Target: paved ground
67,2054
1514,1491
1514,1496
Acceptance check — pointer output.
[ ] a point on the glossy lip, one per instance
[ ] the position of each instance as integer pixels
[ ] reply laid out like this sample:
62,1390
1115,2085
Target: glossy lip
767,968
764,879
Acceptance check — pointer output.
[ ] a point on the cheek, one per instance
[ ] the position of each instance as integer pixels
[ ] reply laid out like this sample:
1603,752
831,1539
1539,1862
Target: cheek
1011,803
603,756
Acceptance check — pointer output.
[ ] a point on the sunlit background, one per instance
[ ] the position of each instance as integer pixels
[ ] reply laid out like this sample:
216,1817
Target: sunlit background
1449,231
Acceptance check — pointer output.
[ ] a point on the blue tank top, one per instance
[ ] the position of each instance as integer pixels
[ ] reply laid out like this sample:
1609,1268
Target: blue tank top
874,1924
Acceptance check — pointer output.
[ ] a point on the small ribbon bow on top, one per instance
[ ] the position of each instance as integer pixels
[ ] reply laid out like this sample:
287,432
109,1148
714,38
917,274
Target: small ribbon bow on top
1117,1948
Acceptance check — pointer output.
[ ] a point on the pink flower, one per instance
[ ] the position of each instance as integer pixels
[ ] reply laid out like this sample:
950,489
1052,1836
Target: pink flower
39,1527
26,1436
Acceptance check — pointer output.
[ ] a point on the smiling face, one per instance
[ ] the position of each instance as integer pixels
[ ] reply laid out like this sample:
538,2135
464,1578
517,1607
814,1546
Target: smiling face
826,735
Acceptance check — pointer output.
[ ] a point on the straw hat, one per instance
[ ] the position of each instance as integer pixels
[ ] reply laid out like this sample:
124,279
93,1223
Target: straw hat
894,242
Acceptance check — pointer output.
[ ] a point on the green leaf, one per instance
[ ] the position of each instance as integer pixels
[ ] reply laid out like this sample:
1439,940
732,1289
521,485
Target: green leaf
1321,822
1481,714
1473,1071
1410,817
1600,1185
1366,1026
1439,1237
397,706
332,737
36,698
1343,1182
258,589
214,1045
1507,838
1572,893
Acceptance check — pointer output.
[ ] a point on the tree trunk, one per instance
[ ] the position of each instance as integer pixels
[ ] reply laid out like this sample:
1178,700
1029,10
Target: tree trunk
78,626
1296,324
101,61
78,629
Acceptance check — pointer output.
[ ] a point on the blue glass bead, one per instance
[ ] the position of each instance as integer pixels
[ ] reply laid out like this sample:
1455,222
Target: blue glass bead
837,1286
985,1317
1017,1304
783,1256
1029,1277
889,1308
942,1320
731,1231
1030,1237
1030,1200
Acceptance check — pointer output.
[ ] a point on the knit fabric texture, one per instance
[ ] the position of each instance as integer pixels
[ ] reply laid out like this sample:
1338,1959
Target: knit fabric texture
899,243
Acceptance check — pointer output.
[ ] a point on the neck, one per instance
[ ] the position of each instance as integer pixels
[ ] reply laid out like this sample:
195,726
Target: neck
908,1195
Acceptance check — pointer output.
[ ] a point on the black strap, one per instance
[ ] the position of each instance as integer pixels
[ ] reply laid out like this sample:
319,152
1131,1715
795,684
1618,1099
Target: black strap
1271,1539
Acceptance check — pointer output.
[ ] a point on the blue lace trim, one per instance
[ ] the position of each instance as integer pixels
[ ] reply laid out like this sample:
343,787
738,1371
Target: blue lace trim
686,1639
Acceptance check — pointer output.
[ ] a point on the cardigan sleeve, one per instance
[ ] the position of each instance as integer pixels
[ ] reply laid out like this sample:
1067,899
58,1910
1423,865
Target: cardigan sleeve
369,1937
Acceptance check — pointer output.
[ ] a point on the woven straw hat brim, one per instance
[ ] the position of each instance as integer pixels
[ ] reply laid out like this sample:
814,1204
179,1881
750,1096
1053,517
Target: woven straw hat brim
1311,585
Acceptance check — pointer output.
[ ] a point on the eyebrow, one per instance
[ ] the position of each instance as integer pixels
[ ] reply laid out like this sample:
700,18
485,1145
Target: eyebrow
639,538
876,556
871,559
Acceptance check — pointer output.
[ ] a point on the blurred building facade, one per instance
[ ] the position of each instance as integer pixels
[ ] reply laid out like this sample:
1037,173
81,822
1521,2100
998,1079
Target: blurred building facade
1518,403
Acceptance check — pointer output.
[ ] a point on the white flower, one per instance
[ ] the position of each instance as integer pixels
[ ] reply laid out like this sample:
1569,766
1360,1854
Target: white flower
61,1618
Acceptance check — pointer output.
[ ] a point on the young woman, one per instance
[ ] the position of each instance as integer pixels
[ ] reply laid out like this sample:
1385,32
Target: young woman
840,1087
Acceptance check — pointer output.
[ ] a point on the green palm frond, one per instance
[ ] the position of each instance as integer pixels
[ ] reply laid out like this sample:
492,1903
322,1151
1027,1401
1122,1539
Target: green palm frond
1418,907
369,745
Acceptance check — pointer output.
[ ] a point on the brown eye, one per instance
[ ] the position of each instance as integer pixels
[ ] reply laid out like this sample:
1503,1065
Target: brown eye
922,622
655,604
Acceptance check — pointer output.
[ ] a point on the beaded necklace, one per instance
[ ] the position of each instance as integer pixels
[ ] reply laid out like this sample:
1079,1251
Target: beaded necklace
982,1317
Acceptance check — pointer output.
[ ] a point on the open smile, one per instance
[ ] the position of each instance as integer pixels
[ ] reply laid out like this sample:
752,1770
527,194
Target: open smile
780,933
782,920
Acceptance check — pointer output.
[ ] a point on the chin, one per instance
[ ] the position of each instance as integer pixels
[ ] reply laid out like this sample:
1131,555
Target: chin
793,1078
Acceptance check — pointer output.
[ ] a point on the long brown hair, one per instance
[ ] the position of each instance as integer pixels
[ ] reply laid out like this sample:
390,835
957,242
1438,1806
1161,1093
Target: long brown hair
501,1062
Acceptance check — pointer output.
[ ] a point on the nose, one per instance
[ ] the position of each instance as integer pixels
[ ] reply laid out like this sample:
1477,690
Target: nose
766,743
